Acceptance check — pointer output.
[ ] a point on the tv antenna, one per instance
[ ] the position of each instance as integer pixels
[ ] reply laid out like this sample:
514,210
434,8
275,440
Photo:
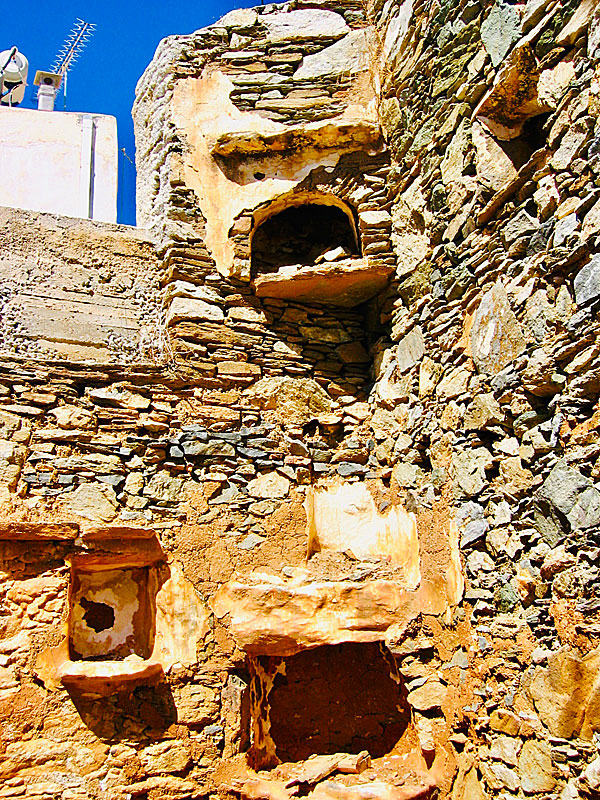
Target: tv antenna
71,49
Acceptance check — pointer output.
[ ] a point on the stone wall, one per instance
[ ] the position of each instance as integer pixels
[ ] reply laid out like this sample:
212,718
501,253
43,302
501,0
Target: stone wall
490,112
214,482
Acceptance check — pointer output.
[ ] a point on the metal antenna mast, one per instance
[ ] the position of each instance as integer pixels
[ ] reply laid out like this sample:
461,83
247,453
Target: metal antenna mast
71,50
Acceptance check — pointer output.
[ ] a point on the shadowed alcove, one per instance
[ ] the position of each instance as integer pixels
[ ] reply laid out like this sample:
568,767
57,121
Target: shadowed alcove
334,698
303,234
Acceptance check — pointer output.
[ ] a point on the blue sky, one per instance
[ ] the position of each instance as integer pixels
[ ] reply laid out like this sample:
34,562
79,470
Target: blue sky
104,78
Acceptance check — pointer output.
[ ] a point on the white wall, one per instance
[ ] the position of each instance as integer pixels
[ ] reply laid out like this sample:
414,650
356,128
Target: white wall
48,158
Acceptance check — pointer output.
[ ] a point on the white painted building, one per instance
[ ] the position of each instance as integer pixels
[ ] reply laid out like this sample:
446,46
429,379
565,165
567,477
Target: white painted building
59,162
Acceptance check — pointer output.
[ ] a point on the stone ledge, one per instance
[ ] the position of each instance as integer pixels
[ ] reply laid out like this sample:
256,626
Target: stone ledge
346,136
115,532
344,283
281,618
107,677
38,531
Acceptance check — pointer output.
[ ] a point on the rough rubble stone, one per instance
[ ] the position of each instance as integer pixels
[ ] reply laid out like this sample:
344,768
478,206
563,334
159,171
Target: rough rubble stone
535,766
93,501
410,350
587,282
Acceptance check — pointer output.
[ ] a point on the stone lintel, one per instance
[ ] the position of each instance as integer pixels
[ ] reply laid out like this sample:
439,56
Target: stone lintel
108,677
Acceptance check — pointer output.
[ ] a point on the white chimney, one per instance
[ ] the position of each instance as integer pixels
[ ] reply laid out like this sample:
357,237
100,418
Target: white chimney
46,97
48,83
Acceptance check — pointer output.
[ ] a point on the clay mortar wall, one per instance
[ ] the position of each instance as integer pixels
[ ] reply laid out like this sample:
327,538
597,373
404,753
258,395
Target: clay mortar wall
240,479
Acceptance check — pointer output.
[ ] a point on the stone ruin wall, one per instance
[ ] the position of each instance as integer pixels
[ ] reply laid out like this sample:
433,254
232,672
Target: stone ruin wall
345,506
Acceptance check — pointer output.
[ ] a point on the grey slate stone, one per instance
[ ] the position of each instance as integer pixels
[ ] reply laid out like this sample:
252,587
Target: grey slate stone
474,531
562,487
500,30
587,282
522,224
573,495
208,449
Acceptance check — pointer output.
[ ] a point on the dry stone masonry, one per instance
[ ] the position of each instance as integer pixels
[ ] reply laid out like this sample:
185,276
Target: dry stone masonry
300,479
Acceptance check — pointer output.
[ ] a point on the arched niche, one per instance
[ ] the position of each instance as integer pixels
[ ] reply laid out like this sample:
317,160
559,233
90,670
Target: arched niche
301,230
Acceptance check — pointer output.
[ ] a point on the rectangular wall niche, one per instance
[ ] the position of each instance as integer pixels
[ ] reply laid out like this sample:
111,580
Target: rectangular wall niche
112,613
336,698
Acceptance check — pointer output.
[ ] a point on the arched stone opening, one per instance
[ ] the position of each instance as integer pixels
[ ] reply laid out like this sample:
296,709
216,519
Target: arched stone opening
305,234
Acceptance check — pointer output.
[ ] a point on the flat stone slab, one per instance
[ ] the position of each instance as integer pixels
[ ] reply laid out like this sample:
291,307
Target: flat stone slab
107,677
304,24
282,618
38,531
344,283
347,136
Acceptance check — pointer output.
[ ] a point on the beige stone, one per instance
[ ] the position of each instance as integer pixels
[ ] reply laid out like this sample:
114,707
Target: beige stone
32,531
499,776
182,620
165,757
505,721
496,338
468,787
350,135
429,375
350,55
483,411
116,395
410,219
535,766
427,697
565,693
453,163
514,96
494,167
453,383
514,478
296,401
341,283
302,25
272,616
186,308
71,417
196,704
506,749
163,486
238,369
269,485
577,23
94,501
104,678
591,222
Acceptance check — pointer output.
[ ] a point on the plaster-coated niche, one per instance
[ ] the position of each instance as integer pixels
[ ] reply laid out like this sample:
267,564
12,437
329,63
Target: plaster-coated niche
344,516
112,613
